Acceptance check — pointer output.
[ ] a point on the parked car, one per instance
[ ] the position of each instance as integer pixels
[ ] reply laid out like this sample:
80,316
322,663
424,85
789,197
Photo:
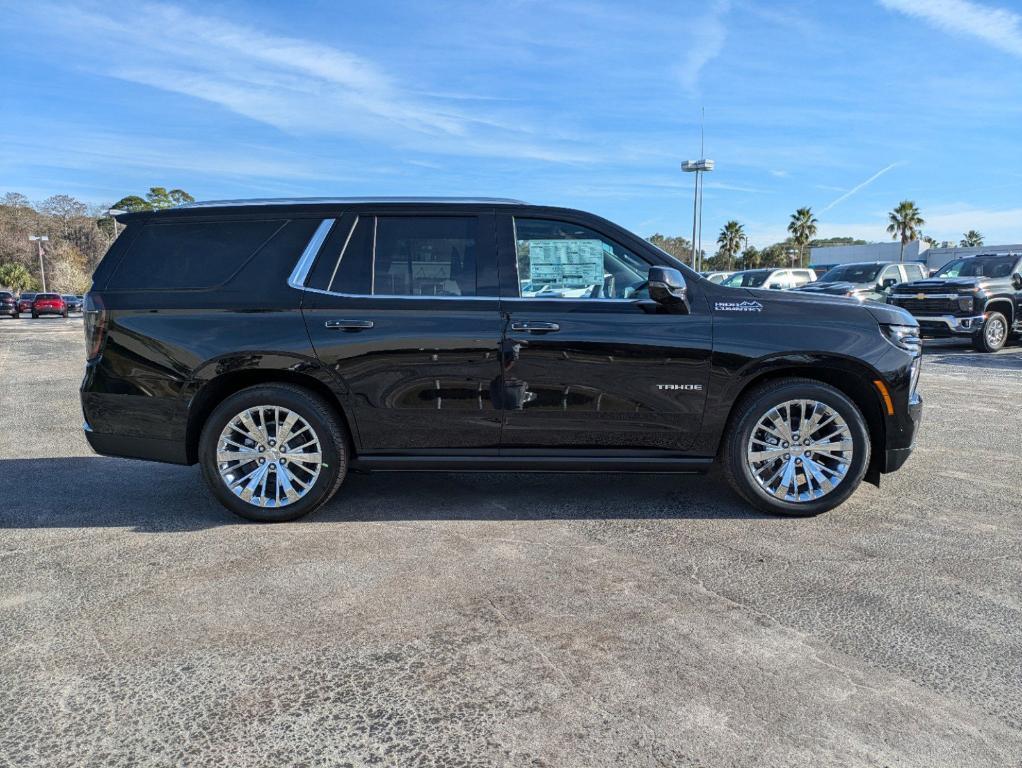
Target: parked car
865,281
976,297
74,303
717,277
318,337
25,302
48,304
775,279
8,304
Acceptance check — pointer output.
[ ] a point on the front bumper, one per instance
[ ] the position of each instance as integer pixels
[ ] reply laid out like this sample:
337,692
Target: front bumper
944,326
894,458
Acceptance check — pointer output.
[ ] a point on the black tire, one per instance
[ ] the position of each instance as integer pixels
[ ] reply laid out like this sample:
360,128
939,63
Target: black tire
16,316
320,416
754,406
994,333
35,316
64,315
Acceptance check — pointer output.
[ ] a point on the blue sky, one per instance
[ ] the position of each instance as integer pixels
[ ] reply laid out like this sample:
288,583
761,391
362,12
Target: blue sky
845,106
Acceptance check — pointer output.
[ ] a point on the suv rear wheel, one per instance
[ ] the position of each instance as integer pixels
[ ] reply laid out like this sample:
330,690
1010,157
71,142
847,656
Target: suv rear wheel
993,334
796,447
273,452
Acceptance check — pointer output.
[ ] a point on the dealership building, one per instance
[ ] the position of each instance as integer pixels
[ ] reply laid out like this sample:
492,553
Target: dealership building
933,258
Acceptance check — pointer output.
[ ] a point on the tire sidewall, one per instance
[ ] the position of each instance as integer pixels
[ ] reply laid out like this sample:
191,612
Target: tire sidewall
335,455
758,406
983,343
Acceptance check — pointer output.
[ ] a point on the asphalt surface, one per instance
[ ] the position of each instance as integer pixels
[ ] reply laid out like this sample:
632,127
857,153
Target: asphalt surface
523,620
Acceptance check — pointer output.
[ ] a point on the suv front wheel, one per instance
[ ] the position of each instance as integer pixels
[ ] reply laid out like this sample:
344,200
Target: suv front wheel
273,452
796,447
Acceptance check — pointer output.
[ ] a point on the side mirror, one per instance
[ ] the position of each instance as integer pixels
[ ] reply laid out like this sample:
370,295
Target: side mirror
888,283
774,286
1016,281
667,287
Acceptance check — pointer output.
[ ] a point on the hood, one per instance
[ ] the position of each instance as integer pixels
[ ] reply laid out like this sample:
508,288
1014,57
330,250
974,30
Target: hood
838,287
882,313
965,283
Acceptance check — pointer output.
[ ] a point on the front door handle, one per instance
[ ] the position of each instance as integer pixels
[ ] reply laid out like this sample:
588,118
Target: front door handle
348,325
535,326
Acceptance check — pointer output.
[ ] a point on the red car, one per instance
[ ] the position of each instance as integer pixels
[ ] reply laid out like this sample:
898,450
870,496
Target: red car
25,302
49,304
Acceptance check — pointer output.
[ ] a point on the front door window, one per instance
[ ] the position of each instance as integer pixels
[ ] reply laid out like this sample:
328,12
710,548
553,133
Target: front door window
561,260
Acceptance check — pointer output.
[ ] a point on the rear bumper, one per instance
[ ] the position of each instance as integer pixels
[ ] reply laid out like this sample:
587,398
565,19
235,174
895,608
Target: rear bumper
129,447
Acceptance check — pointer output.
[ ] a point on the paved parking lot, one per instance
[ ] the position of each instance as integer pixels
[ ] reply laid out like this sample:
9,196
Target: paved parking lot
525,620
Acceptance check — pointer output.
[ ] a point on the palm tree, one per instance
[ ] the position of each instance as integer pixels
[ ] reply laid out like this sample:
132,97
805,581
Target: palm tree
730,240
803,229
905,224
972,239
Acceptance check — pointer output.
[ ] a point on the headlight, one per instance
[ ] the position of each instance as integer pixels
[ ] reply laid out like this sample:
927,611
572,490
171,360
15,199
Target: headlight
904,337
966,303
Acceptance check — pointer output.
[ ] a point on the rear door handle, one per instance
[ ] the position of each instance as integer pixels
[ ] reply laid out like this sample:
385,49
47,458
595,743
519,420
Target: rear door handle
348,325
535,326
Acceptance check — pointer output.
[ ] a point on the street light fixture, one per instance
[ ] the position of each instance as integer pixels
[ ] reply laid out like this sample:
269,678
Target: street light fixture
698,167
39,240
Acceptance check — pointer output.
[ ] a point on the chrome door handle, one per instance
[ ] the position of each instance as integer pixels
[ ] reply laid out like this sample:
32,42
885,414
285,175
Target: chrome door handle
535,326
348,325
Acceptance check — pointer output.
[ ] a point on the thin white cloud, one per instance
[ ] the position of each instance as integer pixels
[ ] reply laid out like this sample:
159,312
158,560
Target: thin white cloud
704,41
999,27
296,85
860,187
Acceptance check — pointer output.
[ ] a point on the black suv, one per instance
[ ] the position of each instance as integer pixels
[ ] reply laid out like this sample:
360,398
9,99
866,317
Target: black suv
8,304
280,344
865,281
977,297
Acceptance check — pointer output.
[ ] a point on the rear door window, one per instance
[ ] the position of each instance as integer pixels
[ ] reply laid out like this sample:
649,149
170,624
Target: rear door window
190,255
394,256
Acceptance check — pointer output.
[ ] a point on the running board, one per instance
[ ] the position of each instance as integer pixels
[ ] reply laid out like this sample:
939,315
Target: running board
385,463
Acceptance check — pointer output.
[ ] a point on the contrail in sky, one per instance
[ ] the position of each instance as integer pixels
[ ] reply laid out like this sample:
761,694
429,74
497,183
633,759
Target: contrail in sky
863,185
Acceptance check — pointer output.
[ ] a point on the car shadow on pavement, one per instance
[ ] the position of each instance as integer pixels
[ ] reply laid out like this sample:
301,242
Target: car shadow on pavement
97,492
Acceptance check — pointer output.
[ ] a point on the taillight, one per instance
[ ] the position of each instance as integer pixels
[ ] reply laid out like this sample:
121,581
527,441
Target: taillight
95,325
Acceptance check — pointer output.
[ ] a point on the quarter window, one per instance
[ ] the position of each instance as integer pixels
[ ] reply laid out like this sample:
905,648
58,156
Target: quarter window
561,260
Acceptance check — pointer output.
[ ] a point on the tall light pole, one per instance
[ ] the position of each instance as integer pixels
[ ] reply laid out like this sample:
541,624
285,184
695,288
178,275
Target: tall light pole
39,240
113,213
698,167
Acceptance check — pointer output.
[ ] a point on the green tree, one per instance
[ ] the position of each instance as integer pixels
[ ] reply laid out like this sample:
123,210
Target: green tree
156,199
16,277
905,223
730,242
750,258
802,228
972,239
679,247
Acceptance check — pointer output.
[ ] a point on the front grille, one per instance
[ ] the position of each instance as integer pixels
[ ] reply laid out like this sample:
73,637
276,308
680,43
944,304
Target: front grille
926,306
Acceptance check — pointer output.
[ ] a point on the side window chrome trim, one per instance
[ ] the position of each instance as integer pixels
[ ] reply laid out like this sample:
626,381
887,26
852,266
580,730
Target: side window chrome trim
333,275
301,271
402,296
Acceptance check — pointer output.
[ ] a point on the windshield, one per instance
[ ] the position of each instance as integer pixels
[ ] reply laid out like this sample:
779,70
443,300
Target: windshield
852,273
980,266
752,278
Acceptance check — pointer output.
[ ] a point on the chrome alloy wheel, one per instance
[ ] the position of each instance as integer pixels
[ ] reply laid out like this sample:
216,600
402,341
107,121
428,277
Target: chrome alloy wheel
996,331
800,450
269,456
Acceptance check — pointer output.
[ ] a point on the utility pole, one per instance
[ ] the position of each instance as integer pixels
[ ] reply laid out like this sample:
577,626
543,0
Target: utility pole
39,240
